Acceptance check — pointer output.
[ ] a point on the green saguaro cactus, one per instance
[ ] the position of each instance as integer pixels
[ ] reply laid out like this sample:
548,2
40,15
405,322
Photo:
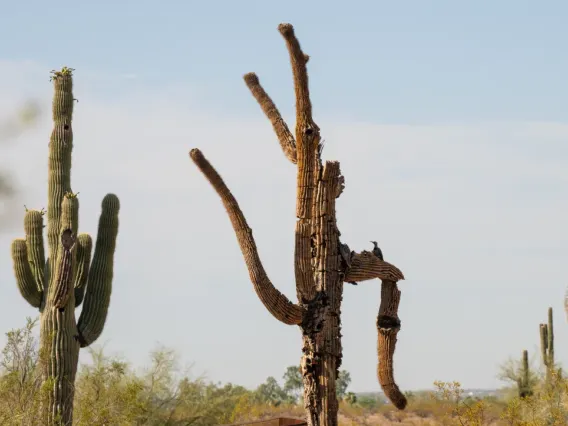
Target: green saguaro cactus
547,346
68,277
523,380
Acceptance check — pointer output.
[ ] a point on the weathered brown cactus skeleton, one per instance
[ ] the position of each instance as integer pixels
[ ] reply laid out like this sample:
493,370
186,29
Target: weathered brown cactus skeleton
322,262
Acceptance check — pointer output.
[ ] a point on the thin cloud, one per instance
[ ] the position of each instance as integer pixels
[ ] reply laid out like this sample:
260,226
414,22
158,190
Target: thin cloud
475,216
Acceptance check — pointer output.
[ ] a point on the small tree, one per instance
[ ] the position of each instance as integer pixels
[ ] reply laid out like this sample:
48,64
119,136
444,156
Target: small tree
519,372
19,377
322,263
343,381
271,393
293,381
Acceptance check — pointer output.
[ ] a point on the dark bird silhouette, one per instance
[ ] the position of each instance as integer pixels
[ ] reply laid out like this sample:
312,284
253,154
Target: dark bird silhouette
377,251
347,255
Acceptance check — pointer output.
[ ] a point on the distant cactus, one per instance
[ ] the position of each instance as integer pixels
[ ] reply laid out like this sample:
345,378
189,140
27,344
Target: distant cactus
523,381
322,263
68,277
547,346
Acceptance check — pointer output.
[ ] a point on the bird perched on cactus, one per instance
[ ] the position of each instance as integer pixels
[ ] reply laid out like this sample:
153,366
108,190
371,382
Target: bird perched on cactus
377,251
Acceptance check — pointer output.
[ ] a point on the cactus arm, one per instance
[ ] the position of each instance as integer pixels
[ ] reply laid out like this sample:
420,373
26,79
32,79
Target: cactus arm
33,226
24,275
274,301
388,326
285,137
309,166
62,282
99,284
59,165
367,266
84,251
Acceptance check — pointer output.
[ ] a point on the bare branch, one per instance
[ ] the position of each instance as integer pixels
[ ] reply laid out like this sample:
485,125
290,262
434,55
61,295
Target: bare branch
367,266
285,137
276,303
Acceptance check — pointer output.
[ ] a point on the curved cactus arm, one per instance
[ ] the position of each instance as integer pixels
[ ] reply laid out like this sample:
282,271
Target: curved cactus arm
99,283
61,286
388,326
276,303
59,165
33,225
24,275
84,251
366,266
285,137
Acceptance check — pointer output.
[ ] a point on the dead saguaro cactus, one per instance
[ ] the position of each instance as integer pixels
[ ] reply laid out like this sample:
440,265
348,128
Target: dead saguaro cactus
57,286
322,263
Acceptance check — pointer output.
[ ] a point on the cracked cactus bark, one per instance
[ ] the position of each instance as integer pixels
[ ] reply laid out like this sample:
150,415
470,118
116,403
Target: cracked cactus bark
322,263
57,285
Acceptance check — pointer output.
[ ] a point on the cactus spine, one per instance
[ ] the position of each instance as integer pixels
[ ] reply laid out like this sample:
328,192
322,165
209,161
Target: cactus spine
547,346
68,277
523,381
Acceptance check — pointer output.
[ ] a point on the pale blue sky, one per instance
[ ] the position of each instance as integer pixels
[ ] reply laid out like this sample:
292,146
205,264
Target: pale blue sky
450,123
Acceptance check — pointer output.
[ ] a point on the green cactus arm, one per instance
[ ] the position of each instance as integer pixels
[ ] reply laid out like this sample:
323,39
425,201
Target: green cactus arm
84,251
62,282
59,165
24,275
99,284
33,225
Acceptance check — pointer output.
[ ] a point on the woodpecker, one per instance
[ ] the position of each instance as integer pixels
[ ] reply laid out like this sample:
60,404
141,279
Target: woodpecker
377,251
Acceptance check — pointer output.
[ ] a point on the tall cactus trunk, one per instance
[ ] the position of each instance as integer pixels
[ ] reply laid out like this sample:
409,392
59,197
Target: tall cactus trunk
322,351
58,285
59,356
322,263
523,380
547,347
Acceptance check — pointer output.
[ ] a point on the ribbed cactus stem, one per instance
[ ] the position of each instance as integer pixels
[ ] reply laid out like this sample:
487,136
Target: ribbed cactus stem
57,286
322,263
547,345
97,297
523,380
33,227
60,149
24,275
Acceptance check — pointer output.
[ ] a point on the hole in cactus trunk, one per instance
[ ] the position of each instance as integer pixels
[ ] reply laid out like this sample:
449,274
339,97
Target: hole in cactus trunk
385,321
